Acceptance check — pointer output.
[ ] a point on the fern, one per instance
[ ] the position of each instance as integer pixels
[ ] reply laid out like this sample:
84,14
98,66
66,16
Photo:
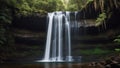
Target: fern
101,18
117,39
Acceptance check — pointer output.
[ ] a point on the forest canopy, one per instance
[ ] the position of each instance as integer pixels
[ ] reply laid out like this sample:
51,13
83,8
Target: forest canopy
44,6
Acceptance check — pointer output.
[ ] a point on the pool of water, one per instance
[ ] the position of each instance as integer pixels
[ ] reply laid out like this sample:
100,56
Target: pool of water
77,63
41,65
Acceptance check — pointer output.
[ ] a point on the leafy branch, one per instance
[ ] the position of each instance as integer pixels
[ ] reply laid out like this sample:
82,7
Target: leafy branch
101,18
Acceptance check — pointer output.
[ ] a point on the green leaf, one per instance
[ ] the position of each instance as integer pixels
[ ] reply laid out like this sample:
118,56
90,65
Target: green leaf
117,49
117,39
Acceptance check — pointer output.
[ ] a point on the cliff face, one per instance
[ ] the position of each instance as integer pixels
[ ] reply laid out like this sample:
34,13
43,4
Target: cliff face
30,35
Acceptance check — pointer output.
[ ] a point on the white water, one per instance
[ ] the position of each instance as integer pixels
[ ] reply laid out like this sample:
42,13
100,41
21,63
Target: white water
58,37
68,32
48,42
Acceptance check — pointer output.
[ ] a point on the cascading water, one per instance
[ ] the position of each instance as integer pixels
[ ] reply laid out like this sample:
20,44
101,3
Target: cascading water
58,36
48,42
58,43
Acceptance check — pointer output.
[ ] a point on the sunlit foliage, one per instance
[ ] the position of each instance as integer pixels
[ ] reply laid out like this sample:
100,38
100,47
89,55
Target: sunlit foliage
117,40
101,18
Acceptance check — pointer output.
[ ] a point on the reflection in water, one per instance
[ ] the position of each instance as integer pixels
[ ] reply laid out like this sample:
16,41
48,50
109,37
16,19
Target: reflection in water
58,65
69,65
46,65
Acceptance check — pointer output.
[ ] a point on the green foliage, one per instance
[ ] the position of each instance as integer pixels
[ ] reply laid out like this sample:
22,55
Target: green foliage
117,49
5,18
59,6
96,51
101,18
44,6
48,6
72,7
6,8
117,39
2,36
25,7
75,5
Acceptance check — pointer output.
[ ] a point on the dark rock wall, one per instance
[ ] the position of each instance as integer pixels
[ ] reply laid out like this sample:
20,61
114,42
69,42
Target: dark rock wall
30,26
34,23
114,21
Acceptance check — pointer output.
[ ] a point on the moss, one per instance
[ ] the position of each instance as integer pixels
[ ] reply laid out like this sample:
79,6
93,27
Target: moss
96,51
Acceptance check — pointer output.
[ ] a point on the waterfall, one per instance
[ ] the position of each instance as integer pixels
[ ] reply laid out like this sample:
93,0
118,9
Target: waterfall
58,42
68,32
48,42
